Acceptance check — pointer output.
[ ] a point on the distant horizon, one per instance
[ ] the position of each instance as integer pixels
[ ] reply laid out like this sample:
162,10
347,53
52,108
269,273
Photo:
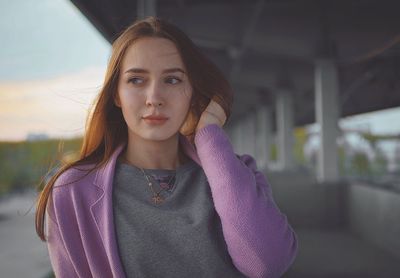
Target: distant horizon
351,122
44,139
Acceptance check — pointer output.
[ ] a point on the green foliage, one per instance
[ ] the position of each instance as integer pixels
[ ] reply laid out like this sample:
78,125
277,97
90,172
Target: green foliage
273,152
342,160
380,163
23,164
300,135
370,138
360,163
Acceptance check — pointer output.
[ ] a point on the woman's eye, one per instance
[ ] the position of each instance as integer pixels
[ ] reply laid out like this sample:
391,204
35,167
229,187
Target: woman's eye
136,80
173,80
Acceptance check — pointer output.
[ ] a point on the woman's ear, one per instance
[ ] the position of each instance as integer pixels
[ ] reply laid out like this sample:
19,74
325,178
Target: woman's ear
117,102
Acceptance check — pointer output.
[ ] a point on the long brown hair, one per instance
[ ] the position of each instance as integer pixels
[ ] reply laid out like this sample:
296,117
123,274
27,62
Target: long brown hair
105,126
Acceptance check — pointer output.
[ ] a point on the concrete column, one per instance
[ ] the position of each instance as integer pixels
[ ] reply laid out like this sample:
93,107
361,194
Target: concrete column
264,136
243,137
229,131
249,133
237,137
284,113
146,8
327,116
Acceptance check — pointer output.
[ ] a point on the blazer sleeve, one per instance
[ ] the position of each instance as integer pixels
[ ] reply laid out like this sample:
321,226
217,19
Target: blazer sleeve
259,238
59,257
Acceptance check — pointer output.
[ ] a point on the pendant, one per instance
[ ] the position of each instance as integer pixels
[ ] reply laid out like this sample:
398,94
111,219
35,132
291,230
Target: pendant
157,199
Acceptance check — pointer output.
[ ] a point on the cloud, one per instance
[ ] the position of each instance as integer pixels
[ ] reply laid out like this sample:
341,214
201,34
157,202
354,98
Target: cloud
57,106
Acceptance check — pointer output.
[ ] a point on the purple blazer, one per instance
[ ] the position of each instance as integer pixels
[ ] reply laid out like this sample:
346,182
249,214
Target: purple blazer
80,228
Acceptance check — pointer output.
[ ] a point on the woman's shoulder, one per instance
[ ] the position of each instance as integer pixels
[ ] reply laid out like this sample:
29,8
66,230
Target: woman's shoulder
75,175
71,185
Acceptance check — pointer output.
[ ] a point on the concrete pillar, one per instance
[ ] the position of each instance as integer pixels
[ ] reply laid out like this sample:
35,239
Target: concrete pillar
146,8
230,132
237,137
327,115
249,133
264,136
284,113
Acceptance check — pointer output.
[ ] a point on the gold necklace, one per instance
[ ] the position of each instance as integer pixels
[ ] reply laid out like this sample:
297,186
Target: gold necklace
157,198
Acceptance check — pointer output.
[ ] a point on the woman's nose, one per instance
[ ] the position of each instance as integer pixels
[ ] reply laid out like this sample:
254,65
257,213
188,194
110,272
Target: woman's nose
154,95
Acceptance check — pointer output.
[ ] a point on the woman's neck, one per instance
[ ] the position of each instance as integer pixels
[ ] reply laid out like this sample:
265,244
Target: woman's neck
154,155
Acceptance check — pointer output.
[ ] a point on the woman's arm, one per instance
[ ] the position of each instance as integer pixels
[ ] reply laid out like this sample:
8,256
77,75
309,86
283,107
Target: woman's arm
259,238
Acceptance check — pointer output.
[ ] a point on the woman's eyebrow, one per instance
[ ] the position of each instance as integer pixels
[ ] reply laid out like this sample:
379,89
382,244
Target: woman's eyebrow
173,70
139,70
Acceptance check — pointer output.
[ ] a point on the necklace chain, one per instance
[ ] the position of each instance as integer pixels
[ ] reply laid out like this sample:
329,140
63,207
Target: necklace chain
157,198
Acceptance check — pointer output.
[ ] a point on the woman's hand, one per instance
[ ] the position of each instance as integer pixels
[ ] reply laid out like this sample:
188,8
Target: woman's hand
214,114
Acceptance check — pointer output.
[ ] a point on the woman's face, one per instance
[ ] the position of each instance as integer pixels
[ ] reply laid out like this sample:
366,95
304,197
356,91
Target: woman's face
153,81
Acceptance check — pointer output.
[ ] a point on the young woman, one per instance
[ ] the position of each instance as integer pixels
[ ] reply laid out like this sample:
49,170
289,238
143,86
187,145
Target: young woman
157,190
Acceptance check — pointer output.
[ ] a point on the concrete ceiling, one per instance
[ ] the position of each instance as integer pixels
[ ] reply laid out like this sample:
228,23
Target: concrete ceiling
265,46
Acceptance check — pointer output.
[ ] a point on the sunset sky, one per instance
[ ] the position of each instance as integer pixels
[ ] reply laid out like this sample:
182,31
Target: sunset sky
52,63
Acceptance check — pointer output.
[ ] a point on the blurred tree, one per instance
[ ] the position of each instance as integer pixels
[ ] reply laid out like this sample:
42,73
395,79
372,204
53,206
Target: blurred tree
300,135
380,163
360,164
396,159
23,164
342,158
273,152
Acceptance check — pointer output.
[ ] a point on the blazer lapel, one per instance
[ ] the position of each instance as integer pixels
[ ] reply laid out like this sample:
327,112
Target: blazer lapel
102,213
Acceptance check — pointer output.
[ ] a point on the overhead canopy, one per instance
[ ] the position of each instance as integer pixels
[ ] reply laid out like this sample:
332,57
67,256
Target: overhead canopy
265,46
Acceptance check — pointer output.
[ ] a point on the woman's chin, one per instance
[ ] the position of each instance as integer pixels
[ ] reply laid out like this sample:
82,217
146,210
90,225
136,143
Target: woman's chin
160,135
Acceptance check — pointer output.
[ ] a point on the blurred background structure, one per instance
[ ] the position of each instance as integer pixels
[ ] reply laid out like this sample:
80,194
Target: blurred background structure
301,72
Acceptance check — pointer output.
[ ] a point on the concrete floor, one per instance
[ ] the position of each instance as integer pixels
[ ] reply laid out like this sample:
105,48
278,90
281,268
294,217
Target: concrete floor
328,253
22,254
322,253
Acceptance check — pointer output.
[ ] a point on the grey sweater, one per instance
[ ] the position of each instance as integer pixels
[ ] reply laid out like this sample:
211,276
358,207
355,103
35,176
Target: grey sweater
181,237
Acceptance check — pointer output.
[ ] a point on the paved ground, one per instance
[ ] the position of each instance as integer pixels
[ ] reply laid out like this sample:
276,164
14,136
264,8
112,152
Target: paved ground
331,254
327,254
22,254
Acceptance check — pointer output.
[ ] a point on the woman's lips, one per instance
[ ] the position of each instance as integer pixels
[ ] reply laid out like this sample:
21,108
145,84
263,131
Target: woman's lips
155,118
154,121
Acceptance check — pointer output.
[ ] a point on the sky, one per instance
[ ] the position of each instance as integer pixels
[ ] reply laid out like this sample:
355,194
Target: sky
52,64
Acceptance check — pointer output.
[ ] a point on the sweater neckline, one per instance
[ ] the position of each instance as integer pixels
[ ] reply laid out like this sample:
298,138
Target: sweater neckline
189,164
